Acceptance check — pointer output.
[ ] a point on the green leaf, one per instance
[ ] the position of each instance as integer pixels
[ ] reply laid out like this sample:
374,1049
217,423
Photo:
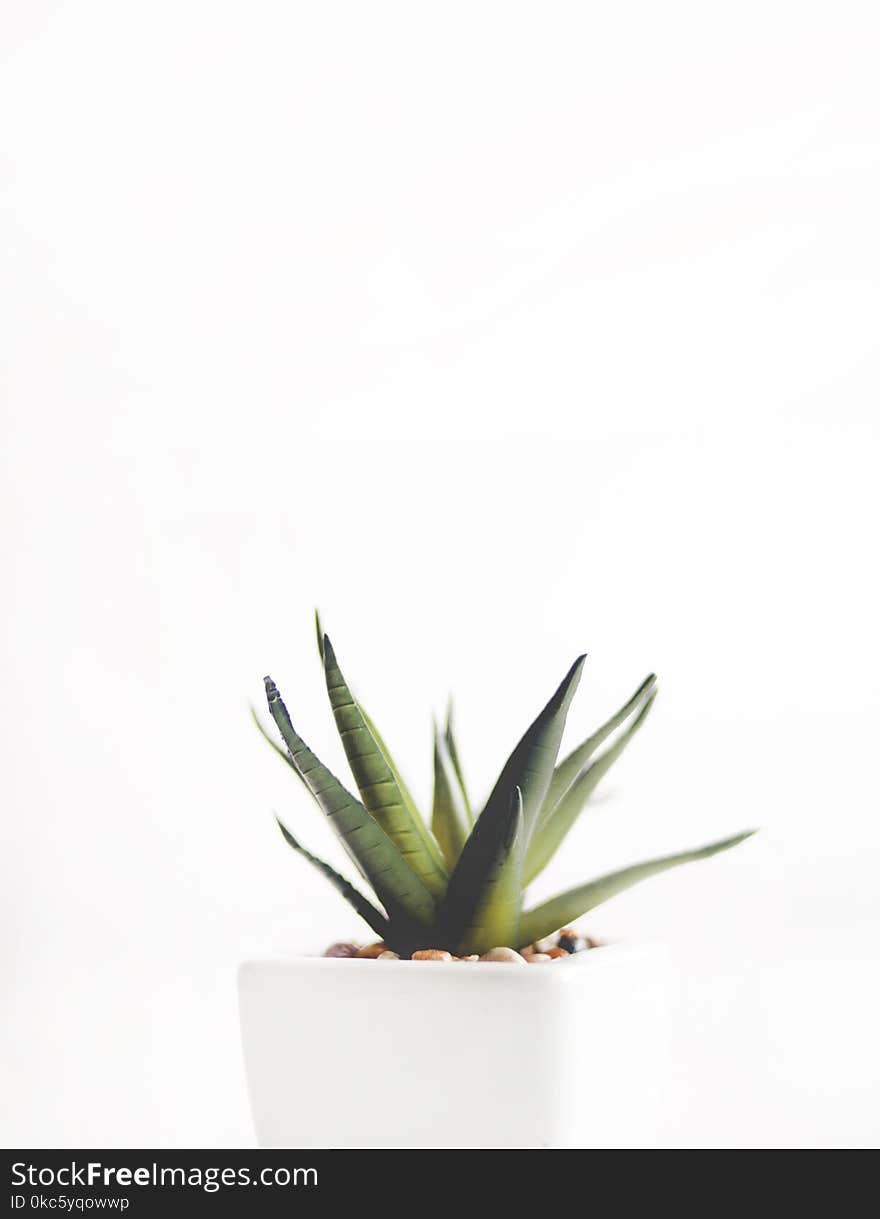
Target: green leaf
380,791
564,909
448,819
530,766
484,899
397,886
319,634
572,765
526,772
368,912
550,834
404,790
398,778
452,750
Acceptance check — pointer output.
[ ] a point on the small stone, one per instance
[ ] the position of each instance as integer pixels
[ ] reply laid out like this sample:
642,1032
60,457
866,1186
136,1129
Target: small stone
572,940
556,954
539,958
431,954
503,954
539,946
342,950
472,958
388,956
371,951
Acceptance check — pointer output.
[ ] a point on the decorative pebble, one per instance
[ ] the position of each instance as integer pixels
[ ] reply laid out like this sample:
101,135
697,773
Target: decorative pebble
572,941
556,954
342,950
503,954
431,954
471,958
388,956
539,958
371,951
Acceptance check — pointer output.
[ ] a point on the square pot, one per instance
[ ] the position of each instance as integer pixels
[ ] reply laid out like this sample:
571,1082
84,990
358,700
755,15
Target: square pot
419,1054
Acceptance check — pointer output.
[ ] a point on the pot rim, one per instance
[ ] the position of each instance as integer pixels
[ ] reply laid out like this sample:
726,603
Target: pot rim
551,973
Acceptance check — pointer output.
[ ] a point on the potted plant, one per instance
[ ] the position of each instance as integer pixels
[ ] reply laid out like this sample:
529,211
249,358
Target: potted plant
469,1021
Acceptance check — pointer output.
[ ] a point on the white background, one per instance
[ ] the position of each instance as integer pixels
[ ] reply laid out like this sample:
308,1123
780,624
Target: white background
500,332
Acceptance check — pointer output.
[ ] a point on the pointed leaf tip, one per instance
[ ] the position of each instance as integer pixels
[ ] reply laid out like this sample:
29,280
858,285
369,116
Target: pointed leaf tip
572,677
516,812
532,761
285,831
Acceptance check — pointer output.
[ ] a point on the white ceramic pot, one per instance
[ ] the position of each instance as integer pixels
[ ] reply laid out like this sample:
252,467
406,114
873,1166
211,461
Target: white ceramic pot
416,1054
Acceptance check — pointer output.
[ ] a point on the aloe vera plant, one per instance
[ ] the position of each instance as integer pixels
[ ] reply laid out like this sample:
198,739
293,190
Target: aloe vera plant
457,883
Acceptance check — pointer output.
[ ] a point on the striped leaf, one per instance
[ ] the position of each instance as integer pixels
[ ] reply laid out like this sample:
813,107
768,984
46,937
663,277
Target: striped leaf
543,920
404,790
380,791
397,886
398,777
